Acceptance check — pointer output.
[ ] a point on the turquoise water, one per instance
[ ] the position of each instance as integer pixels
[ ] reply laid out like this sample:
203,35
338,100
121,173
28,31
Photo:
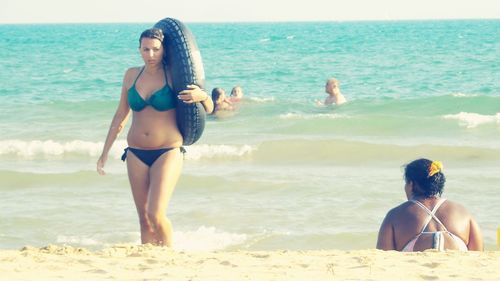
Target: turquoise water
279,174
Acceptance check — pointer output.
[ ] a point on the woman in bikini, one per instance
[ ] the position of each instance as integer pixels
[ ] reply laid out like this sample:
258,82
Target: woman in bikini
426,220
154,156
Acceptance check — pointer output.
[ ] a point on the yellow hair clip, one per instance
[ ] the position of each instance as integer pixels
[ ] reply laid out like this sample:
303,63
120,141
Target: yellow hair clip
435,167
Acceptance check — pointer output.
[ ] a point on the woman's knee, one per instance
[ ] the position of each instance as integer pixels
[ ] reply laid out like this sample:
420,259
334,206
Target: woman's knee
155,218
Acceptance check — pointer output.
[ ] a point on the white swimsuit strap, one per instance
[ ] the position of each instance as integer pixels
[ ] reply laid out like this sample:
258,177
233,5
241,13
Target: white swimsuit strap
432,214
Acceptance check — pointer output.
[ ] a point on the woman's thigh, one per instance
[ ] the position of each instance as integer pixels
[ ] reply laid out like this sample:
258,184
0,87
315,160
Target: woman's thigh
163,177
138,175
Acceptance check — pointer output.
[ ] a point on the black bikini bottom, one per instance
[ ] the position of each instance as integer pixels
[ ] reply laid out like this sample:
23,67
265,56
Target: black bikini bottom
148,156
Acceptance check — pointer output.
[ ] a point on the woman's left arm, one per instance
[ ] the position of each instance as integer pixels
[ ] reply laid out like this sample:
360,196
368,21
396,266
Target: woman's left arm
193,93
475,237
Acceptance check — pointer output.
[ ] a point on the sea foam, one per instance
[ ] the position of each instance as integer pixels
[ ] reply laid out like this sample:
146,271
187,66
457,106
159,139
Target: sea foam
472,120
203,151
50,148
310,116
201,239
206,239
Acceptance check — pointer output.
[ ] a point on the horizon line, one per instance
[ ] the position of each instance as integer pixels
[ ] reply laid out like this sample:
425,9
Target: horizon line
250,21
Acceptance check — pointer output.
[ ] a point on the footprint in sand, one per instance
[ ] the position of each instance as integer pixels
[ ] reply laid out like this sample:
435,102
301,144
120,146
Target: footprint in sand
86,262
97,270
429,277
432,264
143,267
365,261
152,261
260,256
227,263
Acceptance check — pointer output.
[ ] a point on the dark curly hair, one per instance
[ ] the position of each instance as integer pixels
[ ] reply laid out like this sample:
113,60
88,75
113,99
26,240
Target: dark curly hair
424,185
153,33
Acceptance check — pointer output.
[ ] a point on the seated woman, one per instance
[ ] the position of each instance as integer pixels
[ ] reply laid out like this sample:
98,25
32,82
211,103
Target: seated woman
427,221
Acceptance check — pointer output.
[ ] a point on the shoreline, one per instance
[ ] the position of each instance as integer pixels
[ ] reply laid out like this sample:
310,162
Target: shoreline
146,262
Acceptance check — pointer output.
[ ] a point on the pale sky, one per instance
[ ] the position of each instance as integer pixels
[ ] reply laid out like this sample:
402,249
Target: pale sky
79,11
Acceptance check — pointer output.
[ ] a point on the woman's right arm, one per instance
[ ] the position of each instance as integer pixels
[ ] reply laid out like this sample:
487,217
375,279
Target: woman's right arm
386,239
117,124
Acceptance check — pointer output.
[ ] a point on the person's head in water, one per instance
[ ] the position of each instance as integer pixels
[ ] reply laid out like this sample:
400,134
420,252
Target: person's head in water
218,95
237,92
332,85
151,46
424,178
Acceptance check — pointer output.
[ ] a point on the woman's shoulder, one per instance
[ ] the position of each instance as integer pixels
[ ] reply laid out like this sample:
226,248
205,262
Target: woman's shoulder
133,70
399,211
130,75
450,206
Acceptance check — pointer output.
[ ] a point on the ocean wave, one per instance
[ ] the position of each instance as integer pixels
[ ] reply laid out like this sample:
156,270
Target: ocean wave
77,240
307,116
463,95
472,120
50,148
329,150
206,239
202,239
261,100
210,151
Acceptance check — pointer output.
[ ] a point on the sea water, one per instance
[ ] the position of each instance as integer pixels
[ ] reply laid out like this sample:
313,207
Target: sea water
281,173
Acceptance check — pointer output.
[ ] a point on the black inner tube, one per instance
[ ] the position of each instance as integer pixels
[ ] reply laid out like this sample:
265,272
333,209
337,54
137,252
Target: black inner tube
183,59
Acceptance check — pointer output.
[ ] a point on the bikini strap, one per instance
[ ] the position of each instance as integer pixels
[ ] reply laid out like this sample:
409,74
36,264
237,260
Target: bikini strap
138,75
438,241
432,214
166,80
165,74
124,155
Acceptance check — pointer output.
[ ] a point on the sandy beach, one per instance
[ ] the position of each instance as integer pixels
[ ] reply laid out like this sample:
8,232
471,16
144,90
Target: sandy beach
130,262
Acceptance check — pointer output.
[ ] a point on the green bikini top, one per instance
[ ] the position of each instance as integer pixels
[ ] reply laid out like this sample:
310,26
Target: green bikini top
161,100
